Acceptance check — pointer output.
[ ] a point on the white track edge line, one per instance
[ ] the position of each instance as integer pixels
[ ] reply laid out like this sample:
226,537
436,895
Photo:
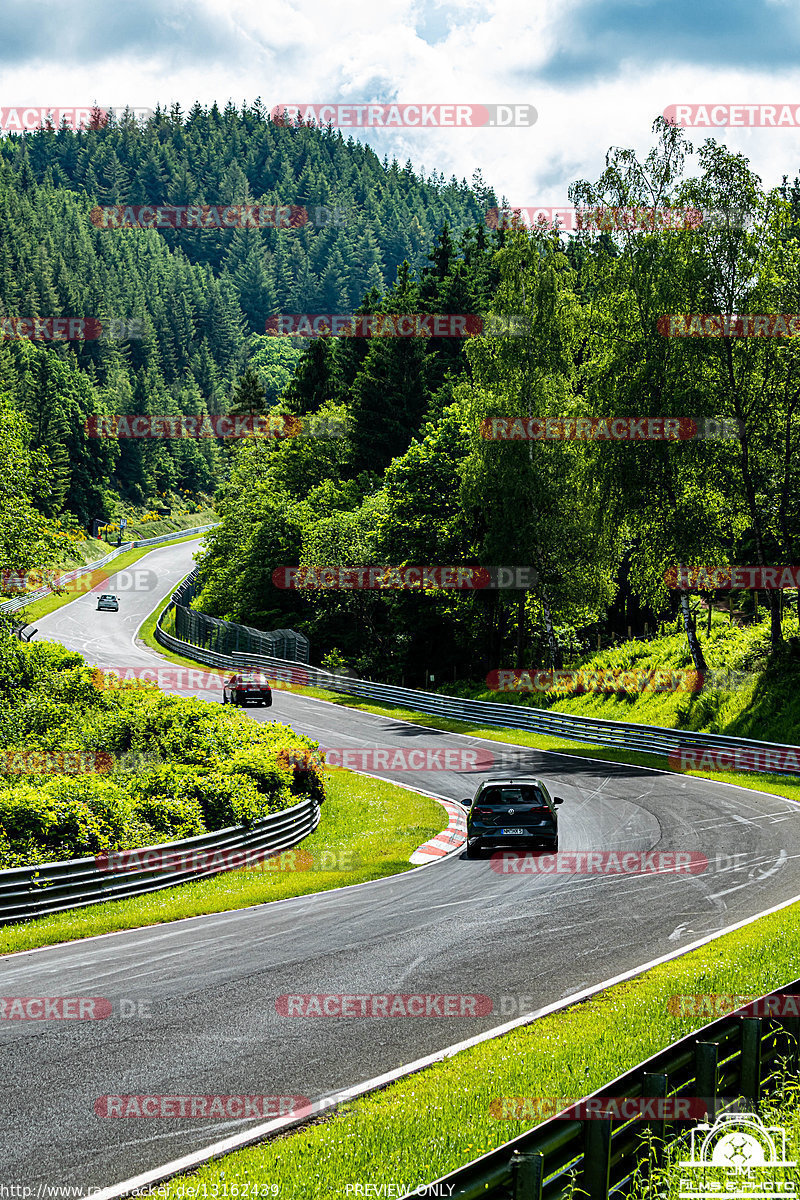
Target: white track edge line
236,1141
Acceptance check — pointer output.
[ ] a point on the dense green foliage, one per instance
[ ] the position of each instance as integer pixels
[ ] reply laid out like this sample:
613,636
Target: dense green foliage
178,767
601,521
202,297
412,480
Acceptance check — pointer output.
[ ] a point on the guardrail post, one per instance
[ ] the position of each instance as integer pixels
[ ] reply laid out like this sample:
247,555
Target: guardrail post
706,1063
654,1132
792,1027
596,1159
750,1073
527,1175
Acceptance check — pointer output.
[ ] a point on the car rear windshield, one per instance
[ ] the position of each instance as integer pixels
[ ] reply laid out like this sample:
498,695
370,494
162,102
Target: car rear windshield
259,680
503,796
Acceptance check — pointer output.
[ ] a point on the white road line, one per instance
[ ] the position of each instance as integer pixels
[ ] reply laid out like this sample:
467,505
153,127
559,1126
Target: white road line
326,1104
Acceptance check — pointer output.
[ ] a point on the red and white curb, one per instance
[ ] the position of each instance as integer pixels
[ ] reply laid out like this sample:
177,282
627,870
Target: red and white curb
449,839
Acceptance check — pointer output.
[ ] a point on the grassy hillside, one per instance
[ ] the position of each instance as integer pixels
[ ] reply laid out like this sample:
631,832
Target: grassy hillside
765,704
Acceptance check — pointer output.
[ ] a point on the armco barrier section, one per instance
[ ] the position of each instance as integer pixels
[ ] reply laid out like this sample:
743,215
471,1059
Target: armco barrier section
650,739
18,602
27,892
735,1057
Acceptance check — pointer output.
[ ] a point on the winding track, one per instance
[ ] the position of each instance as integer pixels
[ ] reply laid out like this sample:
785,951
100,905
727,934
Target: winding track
454,927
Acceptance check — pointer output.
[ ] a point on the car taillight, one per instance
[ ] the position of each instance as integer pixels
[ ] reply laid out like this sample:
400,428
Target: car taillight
482,812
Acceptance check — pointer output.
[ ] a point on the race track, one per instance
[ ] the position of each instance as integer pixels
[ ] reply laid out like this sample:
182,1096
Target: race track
456,927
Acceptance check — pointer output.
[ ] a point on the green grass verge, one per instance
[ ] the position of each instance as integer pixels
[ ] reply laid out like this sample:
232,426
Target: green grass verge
368,830
420,1128
765,704
43,608
147,630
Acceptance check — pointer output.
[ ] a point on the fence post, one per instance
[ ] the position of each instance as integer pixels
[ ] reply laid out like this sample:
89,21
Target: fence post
706,1062
792,1027
654,1086
527,1175
596,1159
750,1073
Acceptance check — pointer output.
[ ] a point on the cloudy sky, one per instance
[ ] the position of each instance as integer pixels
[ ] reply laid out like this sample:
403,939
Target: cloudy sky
597,71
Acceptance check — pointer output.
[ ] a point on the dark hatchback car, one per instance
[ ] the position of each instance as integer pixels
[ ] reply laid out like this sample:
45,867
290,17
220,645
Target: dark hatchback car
250,688
512,812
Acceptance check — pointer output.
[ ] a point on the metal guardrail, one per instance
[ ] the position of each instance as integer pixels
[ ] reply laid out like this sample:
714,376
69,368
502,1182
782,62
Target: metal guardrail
27,892
650,739
18,602
735,1057
18,631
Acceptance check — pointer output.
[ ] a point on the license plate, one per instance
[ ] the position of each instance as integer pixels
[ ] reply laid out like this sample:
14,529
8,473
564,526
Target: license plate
514,832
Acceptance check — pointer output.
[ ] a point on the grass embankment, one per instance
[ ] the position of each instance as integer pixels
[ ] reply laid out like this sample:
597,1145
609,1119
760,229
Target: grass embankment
368,830
422,1127
765,707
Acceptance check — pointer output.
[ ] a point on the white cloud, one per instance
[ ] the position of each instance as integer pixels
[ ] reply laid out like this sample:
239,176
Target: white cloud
310,51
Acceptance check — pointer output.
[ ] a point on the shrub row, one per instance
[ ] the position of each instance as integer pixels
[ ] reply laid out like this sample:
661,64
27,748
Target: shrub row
165,767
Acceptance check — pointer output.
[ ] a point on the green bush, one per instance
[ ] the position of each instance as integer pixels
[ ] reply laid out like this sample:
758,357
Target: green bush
181,767
41,827
220,797
172,817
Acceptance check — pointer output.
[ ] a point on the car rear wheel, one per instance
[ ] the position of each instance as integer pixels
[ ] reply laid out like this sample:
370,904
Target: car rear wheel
224,698
473,848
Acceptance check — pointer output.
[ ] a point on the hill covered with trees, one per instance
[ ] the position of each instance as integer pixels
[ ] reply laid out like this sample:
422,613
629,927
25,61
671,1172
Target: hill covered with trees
201,298
608,333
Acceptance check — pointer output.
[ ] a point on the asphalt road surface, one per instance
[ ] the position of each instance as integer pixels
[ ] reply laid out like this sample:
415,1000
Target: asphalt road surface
457,927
